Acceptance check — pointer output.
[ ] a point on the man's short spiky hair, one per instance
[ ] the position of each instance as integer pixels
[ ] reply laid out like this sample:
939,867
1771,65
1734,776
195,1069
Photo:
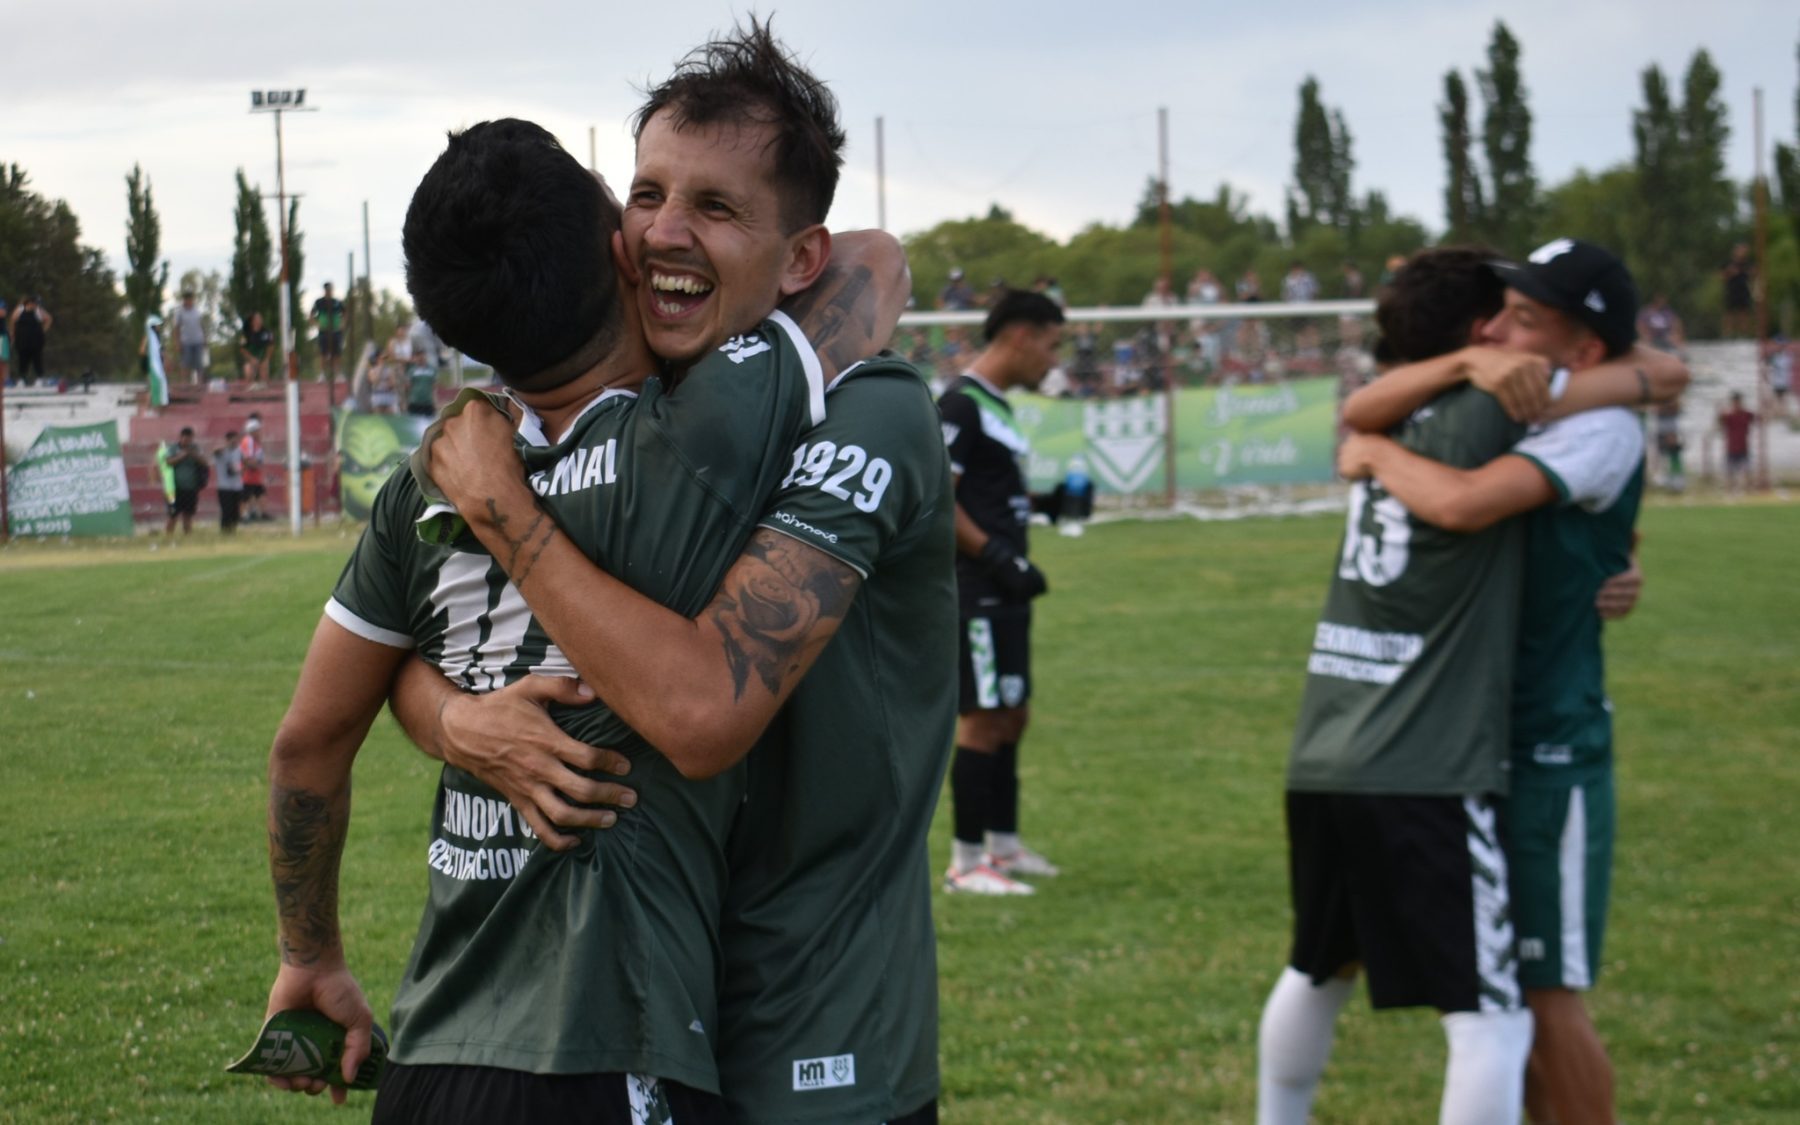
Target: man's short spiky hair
1020,306
749,78
1434,300
508,243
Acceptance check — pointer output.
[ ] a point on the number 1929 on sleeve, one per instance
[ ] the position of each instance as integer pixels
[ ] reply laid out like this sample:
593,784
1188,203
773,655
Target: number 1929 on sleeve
837,471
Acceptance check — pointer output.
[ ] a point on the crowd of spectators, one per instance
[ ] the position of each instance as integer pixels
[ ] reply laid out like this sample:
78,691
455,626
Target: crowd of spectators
1122,358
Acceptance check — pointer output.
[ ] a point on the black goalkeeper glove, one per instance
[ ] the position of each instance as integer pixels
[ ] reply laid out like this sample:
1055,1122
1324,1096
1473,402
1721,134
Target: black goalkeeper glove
1011,571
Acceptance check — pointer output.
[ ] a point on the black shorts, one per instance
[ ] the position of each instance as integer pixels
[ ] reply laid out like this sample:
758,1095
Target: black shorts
994,655
186,500
1413,888
252,491
331,343
485,1095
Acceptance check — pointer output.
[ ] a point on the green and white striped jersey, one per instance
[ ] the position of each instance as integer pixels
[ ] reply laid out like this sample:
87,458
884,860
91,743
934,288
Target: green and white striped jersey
604,958
1409,683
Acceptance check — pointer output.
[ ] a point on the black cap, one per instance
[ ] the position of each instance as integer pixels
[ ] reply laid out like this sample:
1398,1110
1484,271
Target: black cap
1584,281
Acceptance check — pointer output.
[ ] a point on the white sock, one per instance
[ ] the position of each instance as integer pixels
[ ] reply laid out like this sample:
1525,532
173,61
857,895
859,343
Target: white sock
1293,1045
1484,1081
964,857
1003,843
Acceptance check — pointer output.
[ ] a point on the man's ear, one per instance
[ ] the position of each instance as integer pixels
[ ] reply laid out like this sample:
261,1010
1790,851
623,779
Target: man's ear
807,255
628,271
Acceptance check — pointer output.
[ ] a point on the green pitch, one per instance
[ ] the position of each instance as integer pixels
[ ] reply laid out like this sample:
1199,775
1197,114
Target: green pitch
139,691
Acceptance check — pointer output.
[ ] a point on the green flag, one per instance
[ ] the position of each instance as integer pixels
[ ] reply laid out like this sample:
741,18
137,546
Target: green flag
153,365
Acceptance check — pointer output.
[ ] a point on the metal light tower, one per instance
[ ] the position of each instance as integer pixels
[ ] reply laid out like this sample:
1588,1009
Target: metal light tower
279,102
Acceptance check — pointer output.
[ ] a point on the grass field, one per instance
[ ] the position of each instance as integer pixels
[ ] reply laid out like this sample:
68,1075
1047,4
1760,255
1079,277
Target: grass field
138,692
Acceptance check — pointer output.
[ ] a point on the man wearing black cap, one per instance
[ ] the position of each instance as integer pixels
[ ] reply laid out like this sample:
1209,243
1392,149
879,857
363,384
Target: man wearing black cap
1581,478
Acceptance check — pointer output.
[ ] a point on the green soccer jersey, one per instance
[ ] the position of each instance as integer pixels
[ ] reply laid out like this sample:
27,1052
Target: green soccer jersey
604,958
829,1012
1561,718
1410,676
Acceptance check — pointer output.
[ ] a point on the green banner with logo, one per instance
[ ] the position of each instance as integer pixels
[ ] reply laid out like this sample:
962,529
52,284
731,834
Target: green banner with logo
70,482
370,447
1275,433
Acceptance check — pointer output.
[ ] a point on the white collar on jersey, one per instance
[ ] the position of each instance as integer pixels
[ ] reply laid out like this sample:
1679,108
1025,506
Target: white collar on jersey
531,427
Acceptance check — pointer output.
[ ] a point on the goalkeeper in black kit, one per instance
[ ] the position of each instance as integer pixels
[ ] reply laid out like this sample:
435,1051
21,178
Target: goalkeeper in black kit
995,583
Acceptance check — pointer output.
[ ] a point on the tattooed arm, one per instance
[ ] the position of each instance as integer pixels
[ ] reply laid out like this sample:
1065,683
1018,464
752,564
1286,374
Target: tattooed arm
342,686
699,690
851,311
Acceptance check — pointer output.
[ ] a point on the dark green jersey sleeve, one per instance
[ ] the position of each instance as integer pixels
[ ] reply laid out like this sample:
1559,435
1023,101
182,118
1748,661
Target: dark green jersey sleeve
370,598
870,472
742,405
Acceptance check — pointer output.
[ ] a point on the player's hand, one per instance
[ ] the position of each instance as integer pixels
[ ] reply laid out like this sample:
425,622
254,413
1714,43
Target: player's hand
327,988
1012,572
507,739
1356,456
1619,594
1521,382
473,460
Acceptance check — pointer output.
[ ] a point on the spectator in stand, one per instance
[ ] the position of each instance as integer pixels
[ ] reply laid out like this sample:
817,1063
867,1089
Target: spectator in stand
1390,268
188,465
254,346
29,328
328,314
1048,287
190,337
1249,286
390,369
5,349
422,371
1738,277
1299,285
1660,326
1161,295
1780,358
1736,424
1669,445
1204,289
956,296
228,460
251,448
426,348
1352,282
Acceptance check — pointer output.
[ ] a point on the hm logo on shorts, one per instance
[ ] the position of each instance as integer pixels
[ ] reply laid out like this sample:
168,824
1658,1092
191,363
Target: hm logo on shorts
825,1074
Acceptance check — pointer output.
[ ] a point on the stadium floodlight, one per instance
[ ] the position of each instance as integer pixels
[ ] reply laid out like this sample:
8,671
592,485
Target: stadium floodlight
279,102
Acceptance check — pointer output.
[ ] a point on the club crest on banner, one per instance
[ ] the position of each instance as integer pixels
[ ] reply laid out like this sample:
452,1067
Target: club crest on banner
1125,437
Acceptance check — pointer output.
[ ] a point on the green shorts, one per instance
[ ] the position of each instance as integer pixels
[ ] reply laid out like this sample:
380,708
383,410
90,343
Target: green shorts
1558,830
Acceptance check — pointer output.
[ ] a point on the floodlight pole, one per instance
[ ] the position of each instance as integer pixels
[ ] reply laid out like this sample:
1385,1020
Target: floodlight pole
279,102
880,176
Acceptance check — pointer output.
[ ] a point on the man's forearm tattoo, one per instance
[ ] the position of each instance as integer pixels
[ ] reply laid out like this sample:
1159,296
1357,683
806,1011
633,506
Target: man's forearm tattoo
766,611
524,549
306,841
837,315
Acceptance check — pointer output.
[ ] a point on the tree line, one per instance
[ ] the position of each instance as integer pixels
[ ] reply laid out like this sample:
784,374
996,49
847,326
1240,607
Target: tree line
1671,211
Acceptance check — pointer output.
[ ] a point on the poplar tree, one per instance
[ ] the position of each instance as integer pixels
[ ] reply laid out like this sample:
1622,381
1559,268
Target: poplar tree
1465,210
1512,196
1323,161
251,287
147,278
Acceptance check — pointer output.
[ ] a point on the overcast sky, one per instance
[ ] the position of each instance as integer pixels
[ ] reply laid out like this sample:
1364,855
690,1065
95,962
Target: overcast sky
1048,107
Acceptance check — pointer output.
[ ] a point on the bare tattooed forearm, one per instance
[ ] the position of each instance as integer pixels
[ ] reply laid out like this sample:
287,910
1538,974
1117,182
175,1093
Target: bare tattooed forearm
306,845
524,549
770,604
837,317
